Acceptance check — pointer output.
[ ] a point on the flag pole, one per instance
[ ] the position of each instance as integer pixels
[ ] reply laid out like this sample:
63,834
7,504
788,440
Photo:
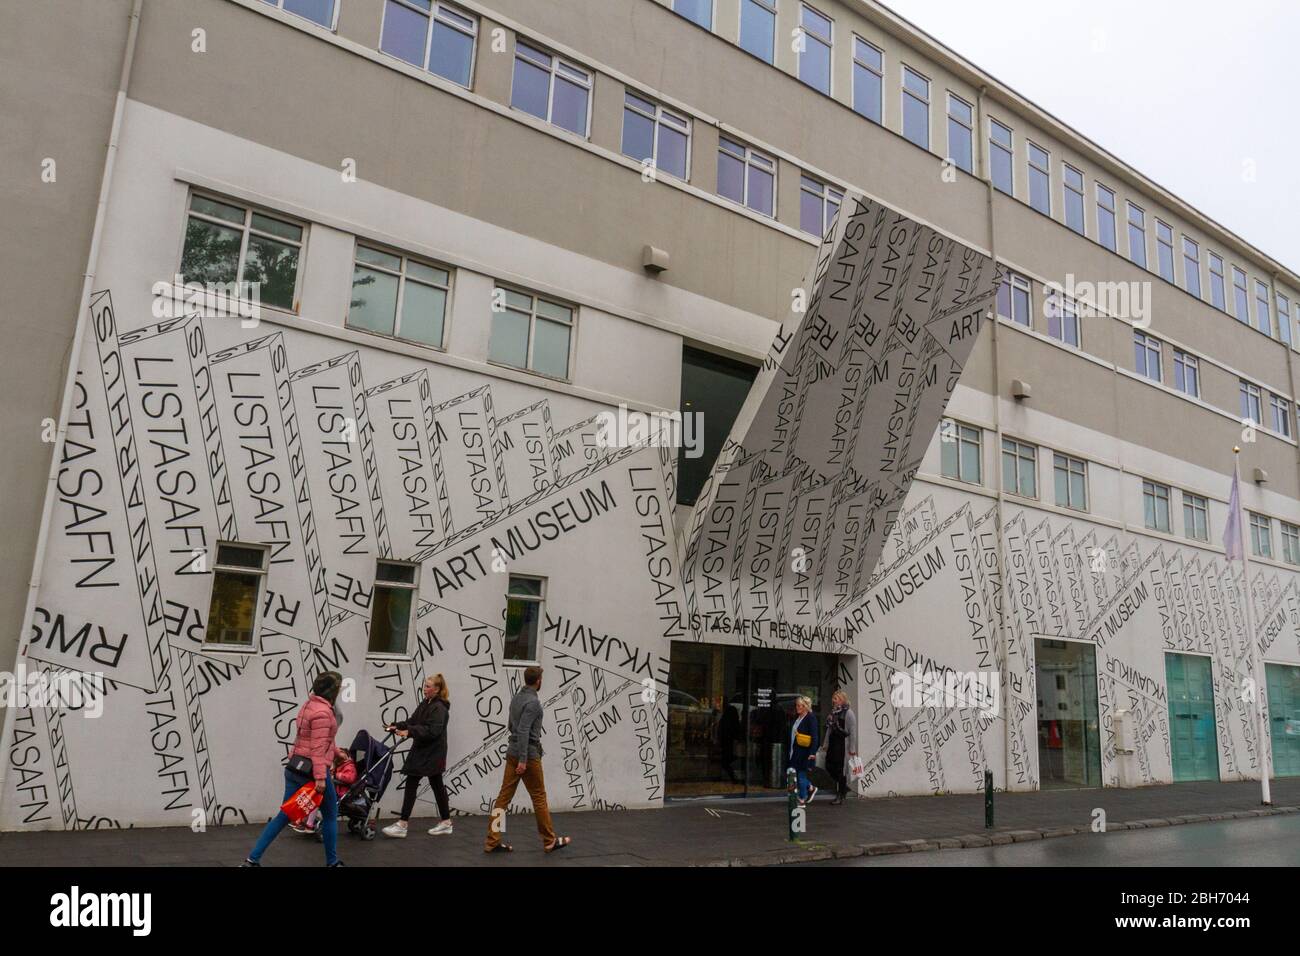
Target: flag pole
1257,652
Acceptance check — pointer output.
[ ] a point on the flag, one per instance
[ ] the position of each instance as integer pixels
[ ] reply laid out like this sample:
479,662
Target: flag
1232,528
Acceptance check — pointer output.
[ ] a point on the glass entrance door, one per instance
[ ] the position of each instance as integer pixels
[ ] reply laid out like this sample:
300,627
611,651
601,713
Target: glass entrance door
1284,718
1069,739
729,713
1193,745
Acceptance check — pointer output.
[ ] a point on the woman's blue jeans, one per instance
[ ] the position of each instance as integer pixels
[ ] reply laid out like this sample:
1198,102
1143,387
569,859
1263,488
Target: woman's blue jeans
801,778
329,813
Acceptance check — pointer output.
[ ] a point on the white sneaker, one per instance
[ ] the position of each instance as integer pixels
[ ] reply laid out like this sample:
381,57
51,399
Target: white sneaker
442,829
396,830
812,792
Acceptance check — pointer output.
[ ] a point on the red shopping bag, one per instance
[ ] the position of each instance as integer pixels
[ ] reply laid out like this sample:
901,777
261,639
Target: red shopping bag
303,803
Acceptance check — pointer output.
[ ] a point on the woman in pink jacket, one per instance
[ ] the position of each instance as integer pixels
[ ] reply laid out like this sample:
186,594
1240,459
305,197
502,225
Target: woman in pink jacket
317,727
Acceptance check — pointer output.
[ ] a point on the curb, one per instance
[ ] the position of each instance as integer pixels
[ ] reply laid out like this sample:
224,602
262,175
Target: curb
815,854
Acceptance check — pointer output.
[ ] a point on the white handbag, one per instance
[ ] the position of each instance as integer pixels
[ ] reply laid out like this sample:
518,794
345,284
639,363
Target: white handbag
856,770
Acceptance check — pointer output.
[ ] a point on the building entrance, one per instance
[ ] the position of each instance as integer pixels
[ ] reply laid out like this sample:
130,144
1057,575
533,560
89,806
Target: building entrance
729,713
1069,739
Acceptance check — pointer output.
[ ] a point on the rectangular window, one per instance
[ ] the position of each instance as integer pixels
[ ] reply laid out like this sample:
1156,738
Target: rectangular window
1137,235
960,453
961,133
397,584
697,11
1063,319
656,136
815,49
916,107
1000,165
747,177
1071,478
530,332
1251,403
1040,179
1014,299
1019,468
1284,318
1165,250
1106,218
524,597
238,574
715,388
1239,296
1261,536
551,89
226,244
1187,373
1263,319
432,36
1290,543
1147,356
818,204
399,296
1196,517
1191,267
758,28
1073,198
1155,506
868,79
1281,414
1218,287
317,11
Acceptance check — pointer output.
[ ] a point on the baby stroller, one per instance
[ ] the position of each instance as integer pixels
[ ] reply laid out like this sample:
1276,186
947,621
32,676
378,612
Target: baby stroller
360,805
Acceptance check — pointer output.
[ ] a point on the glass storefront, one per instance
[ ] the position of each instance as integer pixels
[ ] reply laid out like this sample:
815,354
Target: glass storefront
1284,718
1069,738
1193,745
729,712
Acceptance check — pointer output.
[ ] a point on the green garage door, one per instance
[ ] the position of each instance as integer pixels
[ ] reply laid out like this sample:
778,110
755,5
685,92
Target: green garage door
1192,742
1284,715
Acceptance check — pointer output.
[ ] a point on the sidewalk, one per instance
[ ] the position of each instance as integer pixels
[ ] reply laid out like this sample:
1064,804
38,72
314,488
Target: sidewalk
718,833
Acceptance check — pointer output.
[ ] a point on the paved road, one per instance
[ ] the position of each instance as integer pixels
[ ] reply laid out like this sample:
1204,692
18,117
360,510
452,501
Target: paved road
1267,841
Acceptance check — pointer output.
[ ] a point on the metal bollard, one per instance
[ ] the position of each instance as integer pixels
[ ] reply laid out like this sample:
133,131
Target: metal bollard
796,812
988,799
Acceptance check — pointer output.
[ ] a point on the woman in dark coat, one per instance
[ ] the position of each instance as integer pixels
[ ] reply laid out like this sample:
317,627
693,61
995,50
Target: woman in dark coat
841,743
803,747
427,728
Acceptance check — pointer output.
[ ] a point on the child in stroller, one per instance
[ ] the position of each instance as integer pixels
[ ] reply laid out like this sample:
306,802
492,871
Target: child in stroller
345,775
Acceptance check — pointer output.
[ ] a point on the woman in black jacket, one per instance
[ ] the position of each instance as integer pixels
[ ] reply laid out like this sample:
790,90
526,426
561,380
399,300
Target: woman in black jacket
427,728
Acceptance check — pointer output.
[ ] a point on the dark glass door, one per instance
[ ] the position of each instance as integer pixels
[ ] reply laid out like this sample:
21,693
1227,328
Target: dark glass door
1069,738
730,712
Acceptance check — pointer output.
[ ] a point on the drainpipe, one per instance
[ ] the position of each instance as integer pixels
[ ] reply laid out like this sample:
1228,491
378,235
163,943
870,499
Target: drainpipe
981,168
70,379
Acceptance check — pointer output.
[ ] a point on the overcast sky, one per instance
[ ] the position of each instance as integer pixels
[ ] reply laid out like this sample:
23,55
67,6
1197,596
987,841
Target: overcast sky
1193,94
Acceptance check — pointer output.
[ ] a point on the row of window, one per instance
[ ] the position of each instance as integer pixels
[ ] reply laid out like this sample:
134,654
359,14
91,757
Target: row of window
1015,302
962,456
393,294
1239,298
437,37
238,590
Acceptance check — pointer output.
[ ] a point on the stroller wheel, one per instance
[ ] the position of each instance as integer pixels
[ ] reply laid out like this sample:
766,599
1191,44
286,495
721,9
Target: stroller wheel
368,833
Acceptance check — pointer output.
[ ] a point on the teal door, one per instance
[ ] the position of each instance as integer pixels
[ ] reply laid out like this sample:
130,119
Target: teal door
1192,741
1284,716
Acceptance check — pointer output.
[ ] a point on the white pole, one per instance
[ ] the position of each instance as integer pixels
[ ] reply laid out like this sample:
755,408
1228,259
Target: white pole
1257,652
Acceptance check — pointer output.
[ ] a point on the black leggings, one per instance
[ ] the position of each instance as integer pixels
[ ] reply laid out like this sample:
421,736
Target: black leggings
439,794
